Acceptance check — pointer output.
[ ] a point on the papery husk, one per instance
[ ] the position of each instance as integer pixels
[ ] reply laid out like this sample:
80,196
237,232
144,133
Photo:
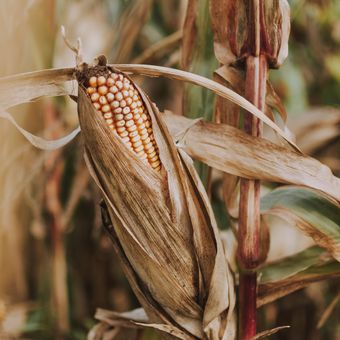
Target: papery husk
163,229
234,38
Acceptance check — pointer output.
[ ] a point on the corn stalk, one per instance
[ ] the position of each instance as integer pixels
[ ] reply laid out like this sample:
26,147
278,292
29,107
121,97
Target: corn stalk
249,233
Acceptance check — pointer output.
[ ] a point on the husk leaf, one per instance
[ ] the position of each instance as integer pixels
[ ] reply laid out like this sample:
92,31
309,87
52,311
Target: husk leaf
159,227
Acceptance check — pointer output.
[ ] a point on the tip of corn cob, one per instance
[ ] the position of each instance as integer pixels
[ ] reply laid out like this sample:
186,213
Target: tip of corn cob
116,98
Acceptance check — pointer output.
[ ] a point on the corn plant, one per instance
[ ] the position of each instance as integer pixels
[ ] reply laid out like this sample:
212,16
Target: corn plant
154,171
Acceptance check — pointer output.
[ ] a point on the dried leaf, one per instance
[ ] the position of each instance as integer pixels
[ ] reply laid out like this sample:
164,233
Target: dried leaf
47,82
156,71
129,28
328,311
25,87
234,78
265,334
231,150
316,128
233,37
37,141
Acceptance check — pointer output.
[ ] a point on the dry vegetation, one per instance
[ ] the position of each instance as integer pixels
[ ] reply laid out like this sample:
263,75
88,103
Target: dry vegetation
243,218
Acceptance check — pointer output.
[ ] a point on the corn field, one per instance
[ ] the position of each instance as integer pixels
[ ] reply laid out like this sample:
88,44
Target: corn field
170,169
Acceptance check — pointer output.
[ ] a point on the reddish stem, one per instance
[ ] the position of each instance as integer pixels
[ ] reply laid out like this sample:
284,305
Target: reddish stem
249,251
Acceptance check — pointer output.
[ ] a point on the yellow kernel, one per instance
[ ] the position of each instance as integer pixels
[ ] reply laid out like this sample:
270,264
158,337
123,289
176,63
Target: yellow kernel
125,139
130,123
133,134
124,134
110,97
120,123
111,126
113,89
118,110
109,121
125,94
146,139
135,139
119,96
133,105
122,103
149,151
152,155
93,81
110,82
128,116
126,84
155,164
101,80
90,90
102,90
115,104
131,92
139,148
95,96
119,116
121,129
119,84
102,100
144,116
126,110
115,76
142,127
144,132
106,108
135,97
139,121
136,111
96,106
153,159
129,101
132,128
137,143
148,146
107,115
139,103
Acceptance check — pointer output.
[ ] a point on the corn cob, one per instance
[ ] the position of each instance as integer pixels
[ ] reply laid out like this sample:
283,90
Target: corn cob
116,98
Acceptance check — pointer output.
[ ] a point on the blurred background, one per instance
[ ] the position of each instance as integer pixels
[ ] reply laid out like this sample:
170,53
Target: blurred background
57,265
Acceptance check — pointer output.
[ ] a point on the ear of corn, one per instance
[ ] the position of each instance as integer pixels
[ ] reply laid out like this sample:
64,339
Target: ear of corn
162,227
119,102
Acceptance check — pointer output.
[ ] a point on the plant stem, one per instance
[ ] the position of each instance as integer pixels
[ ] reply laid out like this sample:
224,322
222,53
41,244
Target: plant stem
249,251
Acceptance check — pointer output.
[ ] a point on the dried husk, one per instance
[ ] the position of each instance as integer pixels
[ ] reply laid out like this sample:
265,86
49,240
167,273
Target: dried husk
163,229
234,38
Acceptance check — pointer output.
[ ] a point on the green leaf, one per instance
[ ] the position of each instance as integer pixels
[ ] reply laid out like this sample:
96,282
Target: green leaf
291,265
313,213
271,291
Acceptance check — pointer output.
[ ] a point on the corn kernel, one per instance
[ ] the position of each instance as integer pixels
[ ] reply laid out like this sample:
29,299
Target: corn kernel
116,98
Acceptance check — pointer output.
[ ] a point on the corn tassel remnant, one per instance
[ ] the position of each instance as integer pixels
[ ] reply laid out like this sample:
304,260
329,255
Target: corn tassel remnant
120,104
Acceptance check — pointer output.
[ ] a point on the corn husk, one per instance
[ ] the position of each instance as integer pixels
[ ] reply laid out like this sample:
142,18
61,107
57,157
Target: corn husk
234,39
162,228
